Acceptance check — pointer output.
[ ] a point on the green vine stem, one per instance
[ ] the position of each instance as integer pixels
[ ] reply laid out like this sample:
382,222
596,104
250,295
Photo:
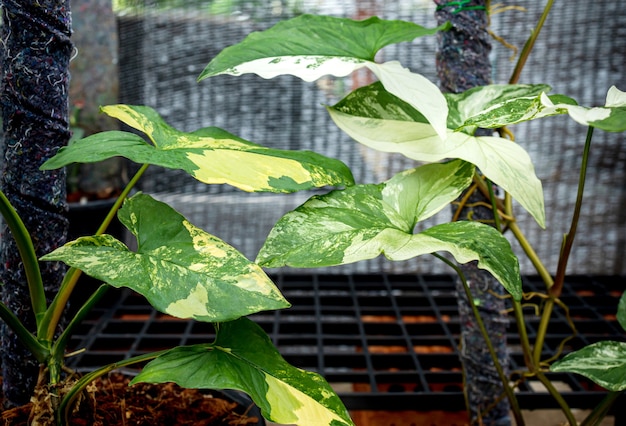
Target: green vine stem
568,242
27,254
557,288
494,205
53,314
530,43
81,384
523,334
557,396
34,346
57,353
505,380
599,412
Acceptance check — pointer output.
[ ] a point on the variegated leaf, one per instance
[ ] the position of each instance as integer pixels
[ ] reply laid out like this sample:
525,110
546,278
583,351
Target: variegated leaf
211,155
377,119
243,358
621,311
478,99
603,362
611,117
180,269
310,47
499,105
365,221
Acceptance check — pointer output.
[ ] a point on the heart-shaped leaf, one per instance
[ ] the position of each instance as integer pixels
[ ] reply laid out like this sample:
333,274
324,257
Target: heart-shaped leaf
310,47
603,362
210,155
378,119
180,269
364,221
243,358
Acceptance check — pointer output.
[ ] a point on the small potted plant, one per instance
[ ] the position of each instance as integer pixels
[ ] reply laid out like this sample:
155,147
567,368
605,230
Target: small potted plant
403,112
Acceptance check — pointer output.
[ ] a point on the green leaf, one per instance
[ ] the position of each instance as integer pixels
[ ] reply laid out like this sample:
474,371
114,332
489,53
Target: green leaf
210,155
603,362
365,221
243,358
621,311
180,269
319,38
610,118
371,117
310,47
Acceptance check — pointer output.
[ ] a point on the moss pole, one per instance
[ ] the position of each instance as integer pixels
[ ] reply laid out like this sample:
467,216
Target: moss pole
36,51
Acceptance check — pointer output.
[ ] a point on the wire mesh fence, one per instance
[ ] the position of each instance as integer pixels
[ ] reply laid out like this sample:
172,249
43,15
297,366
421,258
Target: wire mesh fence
581,52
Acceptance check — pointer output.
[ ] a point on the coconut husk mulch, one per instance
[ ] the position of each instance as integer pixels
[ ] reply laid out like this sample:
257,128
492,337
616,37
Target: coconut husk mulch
109,401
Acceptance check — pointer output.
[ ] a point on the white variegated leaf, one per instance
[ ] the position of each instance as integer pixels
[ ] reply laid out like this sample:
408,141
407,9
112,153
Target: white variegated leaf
611,117
505,163
603,362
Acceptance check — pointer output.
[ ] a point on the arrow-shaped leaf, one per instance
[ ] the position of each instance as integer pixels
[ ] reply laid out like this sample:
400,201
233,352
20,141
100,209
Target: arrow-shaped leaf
364,221
310,47
603,362
180,269
378,119
210,155
611,117
243,358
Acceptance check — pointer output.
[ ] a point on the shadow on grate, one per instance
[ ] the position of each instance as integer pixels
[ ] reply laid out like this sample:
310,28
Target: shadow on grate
385,342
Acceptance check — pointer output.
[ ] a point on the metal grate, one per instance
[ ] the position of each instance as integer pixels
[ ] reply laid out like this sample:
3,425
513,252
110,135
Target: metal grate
385,342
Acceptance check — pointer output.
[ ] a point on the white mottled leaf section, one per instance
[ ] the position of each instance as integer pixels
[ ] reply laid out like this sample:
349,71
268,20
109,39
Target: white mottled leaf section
307,67
416,90
505,163
412,88
601,117
615,98
603,362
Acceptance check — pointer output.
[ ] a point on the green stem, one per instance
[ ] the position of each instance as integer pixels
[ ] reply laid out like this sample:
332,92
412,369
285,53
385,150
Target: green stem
494,205
505,380
531,254
27,255
54,312
32,344
558,397
523,335
530,43
55,364
599,412
542,329
65,405
568,242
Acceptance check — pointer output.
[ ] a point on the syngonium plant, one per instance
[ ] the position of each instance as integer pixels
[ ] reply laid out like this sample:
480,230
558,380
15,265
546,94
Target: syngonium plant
182,270
405,113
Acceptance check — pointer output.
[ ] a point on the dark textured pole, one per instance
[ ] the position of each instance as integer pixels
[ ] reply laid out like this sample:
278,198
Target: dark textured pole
36,50
463,63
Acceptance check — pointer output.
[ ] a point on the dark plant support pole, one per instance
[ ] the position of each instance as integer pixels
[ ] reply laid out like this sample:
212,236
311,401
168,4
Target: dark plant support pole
463,63
36,50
